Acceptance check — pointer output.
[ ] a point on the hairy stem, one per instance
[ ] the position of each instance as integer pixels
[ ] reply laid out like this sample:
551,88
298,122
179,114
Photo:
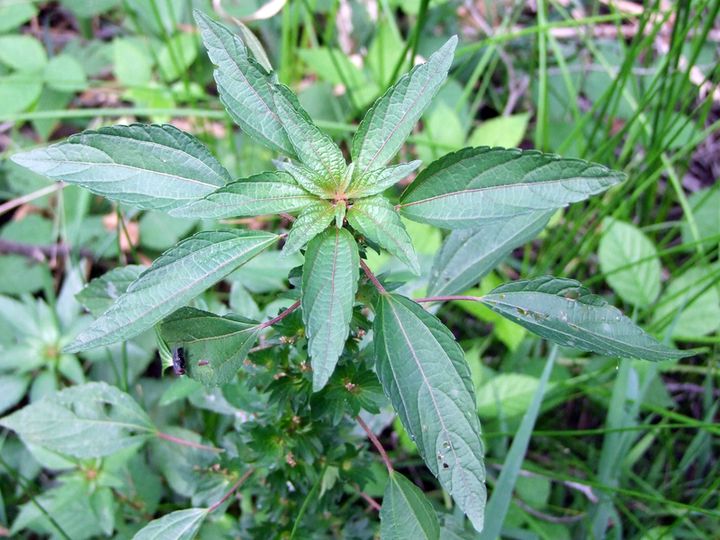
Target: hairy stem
376,443
449,298
280,317
232,490
185,442
372,277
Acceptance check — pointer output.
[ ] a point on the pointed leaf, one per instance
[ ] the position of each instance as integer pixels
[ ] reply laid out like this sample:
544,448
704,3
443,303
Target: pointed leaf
178,525
474,186
176,277
379,180
468,255
264,193
313,220
391,119
329,283
377,220
101,292
147,166
423,372
406,514
305,177
245,88
214,347
564,311
85,421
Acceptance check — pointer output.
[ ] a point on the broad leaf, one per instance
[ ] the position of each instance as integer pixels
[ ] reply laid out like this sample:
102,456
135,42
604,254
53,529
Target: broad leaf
391,119
214,347
329,284
244,86
85,421
264,193
406,514
564,311
630,262
377,220
423,371
313,220
101,292
469,254
147,166
176,277
178,525
379,180
474,186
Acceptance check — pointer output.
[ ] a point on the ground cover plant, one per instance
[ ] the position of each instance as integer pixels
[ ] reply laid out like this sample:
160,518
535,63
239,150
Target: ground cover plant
273,401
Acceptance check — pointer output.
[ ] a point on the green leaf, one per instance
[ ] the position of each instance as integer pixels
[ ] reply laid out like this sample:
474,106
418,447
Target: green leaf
505,131
148,166
13,14
406,514
475,186
264,193
424,373
315,149
314,219
176,277
376,219
564,311
177,55
391,119
214,347
18,91
509,394
468,255
630,262
101,292
329,283
379,180
132,65
704,204
85,421
12,390
65,74
244,86
178,525
23,53
308,179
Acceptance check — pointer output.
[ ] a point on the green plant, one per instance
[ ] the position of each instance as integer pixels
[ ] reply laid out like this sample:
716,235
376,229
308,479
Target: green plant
483,194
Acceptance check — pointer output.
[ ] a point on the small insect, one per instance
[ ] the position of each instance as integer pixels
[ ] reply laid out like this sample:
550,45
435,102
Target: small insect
179,361
203,362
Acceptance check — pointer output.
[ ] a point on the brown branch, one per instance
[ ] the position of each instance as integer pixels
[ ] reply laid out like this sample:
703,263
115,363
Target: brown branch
449,298
372,277
280,317
376,442
234,488
41,253
184,442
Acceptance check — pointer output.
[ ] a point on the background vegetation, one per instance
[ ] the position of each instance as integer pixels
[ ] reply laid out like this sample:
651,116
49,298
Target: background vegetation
590,449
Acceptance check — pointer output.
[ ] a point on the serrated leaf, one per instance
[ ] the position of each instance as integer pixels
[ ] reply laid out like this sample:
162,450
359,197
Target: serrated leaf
424,373
474,186
468,255
314,148
391,119
406,514
178,525
329,283
147,166
85,421
101,292
305,177
564,311
264,193
630,262
244,86
176,277
379,180
377,220
314,219
214,347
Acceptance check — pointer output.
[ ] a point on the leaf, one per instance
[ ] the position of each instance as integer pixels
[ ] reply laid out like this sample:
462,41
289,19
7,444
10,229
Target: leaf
379,180
630,262
23,53
264,193
101,292
391,119
564,311
244,86
505,131
468,255
18,91
377,219
704,204
13,14
178,525
132,65
314,148
506,393
65,74
329,283
176,277
85,421
214,347
406,514
314,219
147,166
474,186
177,55
12,390
424,373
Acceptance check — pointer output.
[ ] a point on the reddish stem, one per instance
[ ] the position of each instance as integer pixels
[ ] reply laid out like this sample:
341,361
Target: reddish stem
449,298
184,442
233,489
280,317
376,442
372,502
372,277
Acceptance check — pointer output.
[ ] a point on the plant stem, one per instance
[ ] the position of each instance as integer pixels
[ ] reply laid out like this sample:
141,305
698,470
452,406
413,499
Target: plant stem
306,502
185,442
372,277
368,499
450,298
19,201
280,317
376,442
232,490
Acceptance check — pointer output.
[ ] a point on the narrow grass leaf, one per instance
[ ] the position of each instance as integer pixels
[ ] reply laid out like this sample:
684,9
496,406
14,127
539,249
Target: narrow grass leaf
178,525
314,219
406,514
